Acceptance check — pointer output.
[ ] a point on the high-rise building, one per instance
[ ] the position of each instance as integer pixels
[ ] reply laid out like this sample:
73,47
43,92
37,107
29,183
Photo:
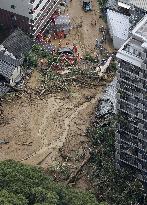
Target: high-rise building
29,15
131,135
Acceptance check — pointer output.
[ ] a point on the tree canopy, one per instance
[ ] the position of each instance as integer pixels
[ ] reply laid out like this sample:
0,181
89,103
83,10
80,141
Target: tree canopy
27,185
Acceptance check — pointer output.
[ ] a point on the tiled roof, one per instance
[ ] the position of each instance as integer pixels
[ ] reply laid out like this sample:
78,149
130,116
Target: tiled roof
6,69
18,43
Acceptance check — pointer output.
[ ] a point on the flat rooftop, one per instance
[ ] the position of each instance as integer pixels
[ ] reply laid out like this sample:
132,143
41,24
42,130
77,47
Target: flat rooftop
126,52
140,30
142,4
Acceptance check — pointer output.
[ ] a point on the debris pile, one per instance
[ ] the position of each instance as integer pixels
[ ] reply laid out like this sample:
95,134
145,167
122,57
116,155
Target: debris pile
64,67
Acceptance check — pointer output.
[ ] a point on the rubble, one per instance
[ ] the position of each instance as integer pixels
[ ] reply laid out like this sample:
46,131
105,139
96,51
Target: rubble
3,142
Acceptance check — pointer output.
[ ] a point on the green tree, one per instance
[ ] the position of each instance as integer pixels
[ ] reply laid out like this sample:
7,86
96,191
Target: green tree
7,198
27,185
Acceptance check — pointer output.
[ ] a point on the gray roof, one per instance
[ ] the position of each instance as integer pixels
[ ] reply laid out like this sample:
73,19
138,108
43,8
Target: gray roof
18,43
10,60
6,69
65,50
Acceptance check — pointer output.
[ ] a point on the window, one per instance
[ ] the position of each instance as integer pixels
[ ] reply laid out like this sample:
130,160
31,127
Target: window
13,7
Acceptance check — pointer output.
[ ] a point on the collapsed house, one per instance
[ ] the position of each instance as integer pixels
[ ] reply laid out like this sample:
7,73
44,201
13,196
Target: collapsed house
12,54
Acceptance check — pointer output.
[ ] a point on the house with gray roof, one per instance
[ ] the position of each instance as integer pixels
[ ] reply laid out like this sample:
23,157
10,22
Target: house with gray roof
12,54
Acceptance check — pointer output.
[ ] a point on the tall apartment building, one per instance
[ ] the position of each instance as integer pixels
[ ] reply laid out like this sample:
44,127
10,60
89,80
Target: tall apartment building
131,135
29,15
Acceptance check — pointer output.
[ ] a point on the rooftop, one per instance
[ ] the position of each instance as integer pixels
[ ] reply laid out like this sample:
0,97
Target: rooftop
6,69
16,45
132,52
142,4
140,30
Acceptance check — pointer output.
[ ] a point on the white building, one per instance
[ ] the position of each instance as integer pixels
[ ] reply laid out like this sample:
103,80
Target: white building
142,4
131,135
29,15
119,27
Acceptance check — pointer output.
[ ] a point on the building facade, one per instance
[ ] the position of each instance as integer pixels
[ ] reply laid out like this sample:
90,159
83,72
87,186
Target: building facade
118,25
131,135
29,15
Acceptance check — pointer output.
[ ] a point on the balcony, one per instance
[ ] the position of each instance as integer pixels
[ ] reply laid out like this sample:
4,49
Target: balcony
133,129
133,140
133,161
132,89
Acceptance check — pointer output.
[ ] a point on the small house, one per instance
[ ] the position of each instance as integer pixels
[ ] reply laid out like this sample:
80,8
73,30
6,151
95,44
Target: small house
12,54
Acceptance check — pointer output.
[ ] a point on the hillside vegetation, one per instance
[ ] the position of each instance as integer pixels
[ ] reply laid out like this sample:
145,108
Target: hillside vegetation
27,185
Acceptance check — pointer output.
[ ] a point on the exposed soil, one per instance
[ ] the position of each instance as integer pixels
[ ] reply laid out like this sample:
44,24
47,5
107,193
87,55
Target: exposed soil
36,128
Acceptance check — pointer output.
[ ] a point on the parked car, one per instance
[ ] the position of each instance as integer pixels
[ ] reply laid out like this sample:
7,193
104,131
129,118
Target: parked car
87,6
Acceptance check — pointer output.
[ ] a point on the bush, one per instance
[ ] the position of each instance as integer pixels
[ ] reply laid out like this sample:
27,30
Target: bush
31,60
26,185
90,58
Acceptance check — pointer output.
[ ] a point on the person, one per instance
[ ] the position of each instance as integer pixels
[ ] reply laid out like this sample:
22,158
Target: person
67,43
41,62
75,49
59,43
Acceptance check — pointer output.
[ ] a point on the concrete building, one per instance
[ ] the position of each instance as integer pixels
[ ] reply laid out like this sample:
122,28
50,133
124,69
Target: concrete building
142,4
29,15
131,135
118,27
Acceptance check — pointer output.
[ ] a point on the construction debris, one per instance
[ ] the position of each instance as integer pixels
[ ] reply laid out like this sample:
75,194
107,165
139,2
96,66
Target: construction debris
3,142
